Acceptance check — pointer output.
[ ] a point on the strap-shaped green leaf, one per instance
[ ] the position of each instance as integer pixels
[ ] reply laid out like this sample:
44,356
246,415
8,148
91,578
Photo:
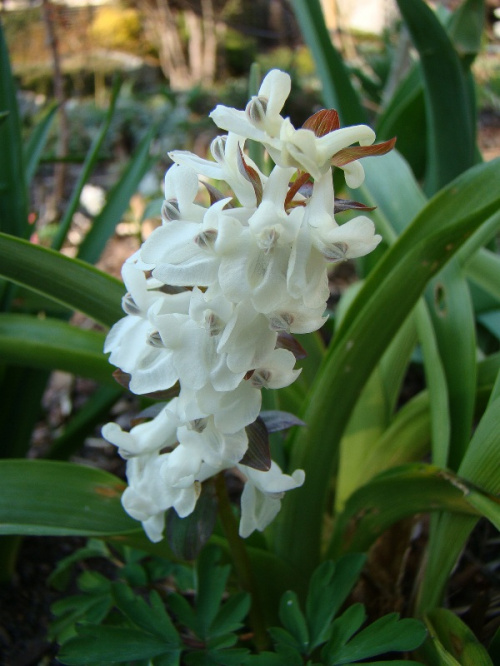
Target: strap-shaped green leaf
54,344
420,488
452,642
13,193
450,131
74,283
58,498
87,168
118,198
338,91
35,144
388,295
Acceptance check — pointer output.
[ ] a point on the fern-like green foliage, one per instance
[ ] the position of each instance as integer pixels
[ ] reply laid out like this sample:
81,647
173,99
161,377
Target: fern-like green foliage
197,618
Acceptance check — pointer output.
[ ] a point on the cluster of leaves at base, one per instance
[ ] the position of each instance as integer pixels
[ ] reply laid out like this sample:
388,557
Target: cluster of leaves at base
110,623
317,637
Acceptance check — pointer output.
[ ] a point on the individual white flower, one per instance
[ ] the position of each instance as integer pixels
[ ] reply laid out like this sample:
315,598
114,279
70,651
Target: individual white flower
201,438
303,149
355,238
294,317
155,435
181,188
147,496
226,151
232,410
247,338
131,340
192,339
262,494
261,119
276,371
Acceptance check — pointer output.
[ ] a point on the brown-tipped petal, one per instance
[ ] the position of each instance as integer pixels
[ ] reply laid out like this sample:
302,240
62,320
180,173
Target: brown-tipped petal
251,175
297,185
347,155
323,122
346,204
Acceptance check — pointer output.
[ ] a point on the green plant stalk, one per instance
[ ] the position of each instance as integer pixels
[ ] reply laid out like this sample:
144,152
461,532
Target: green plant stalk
241,562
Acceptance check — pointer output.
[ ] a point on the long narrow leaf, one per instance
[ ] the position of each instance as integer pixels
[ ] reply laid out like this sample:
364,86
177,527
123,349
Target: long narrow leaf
387,297
53,344
338,91
104,224
454,324
35,144
13,192
421,488
438,388
451,137
57,498
88,166
73,283
480,467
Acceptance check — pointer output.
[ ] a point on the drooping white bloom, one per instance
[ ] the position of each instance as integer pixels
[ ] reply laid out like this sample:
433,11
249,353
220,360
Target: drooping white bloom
262,495
216,293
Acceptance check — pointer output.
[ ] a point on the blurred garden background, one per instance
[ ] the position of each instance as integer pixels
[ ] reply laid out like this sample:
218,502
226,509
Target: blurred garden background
178,59
104,91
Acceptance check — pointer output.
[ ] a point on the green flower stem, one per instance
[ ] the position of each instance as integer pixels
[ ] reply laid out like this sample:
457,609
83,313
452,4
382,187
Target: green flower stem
241,562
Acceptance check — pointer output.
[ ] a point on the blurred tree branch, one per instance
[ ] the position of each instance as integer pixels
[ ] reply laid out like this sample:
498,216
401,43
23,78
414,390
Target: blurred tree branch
186,35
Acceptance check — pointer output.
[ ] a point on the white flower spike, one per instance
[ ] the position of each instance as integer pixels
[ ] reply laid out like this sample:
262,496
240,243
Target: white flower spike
216,294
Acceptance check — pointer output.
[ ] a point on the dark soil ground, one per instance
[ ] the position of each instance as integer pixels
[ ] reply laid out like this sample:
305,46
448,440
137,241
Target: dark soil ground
474,590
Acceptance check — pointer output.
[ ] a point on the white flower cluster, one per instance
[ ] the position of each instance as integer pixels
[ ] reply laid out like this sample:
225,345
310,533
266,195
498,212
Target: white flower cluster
212,292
